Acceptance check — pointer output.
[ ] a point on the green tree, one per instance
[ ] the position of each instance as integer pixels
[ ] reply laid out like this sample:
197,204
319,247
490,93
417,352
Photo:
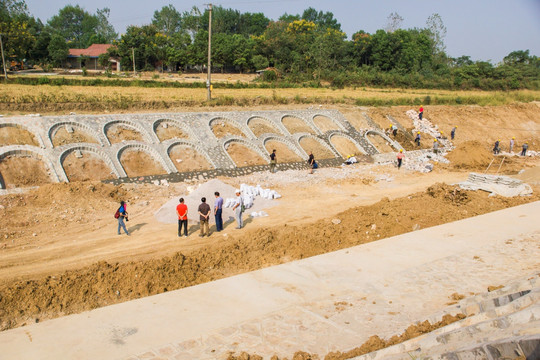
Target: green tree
75,25
58,50
168,20
104,28
322,20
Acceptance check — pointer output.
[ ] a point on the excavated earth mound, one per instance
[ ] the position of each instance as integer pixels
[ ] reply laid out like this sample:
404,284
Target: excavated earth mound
470,155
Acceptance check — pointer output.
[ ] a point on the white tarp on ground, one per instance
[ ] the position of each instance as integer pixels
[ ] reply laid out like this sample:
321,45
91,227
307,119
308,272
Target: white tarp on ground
496,184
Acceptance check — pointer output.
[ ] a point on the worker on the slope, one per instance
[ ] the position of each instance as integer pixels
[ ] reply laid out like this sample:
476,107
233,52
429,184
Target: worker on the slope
524,149
421,112
512,142
394,130
453,132
417,139
400,157
497,147
435,146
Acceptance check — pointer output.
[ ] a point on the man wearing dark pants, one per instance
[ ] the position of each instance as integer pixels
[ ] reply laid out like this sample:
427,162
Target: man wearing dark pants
204,212
181,211
273,161
218,210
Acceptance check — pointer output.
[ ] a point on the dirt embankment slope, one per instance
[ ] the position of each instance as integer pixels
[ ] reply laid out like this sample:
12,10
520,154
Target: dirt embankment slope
107,283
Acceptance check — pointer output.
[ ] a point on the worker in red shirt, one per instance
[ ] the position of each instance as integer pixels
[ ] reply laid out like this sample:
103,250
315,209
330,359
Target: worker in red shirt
400,157
421,112
181,211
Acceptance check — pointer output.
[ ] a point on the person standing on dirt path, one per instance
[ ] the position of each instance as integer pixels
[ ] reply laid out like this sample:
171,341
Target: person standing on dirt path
238,209
273,161
218,211
435,146
400,157
311,162
122,214
181,211
421,112
524,149
453,132
417,139
204,212
512,142
497,147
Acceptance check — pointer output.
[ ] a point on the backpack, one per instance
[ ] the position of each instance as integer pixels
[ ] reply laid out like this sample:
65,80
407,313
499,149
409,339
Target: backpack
117,214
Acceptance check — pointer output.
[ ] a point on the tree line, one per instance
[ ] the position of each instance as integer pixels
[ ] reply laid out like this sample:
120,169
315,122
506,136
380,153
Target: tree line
307,48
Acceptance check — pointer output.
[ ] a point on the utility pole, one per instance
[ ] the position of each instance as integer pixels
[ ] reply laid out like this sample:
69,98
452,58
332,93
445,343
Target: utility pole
3,59
133,56
209,79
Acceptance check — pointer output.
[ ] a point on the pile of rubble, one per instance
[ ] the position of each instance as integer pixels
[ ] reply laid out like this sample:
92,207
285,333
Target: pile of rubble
496,185
426,127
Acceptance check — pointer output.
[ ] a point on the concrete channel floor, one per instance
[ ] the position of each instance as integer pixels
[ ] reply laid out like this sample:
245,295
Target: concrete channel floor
330,302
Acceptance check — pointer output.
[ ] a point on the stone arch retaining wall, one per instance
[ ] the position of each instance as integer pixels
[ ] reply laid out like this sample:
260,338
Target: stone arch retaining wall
331,134
21,125
196,125
53,129
293,146
243,127
392,143
173,142
234,139
56,174
115,167
321,141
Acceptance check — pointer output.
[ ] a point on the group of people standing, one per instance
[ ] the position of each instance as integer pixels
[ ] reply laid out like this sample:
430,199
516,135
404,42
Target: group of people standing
497,147
205,211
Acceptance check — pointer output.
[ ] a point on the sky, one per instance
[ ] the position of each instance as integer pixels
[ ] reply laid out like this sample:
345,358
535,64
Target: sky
485,30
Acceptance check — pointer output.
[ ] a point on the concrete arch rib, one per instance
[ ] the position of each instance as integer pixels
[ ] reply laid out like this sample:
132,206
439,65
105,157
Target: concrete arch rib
130,124
182,126
147,149
248,144
322,142
26,128
308,122
192,144
278,127
346,136
245,130
37,152
392,143
54,128
119,172
298,150
337,123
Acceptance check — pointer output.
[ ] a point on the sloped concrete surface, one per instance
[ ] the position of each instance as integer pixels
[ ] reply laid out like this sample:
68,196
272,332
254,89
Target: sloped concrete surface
325,303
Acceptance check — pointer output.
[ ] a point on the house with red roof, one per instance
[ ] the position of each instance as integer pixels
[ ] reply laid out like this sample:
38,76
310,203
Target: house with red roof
78,58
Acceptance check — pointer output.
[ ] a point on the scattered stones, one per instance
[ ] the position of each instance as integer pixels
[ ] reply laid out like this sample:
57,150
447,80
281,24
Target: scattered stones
416,227
336,221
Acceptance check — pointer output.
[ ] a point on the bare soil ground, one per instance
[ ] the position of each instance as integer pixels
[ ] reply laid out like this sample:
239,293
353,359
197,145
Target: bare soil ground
261,126
11,135
118,133
185,158
380,143
345,146
86,168
139,163
169,132
325,124
319,151
296,125
244,156
62,137
283,152
23,171
224,128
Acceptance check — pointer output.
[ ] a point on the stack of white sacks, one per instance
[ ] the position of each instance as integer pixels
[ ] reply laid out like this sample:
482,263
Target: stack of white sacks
248,194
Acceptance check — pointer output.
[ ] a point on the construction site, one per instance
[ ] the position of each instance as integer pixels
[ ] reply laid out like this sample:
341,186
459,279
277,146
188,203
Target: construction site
436,259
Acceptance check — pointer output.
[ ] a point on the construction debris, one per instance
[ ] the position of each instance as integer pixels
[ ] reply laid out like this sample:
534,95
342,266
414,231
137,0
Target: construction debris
496,185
